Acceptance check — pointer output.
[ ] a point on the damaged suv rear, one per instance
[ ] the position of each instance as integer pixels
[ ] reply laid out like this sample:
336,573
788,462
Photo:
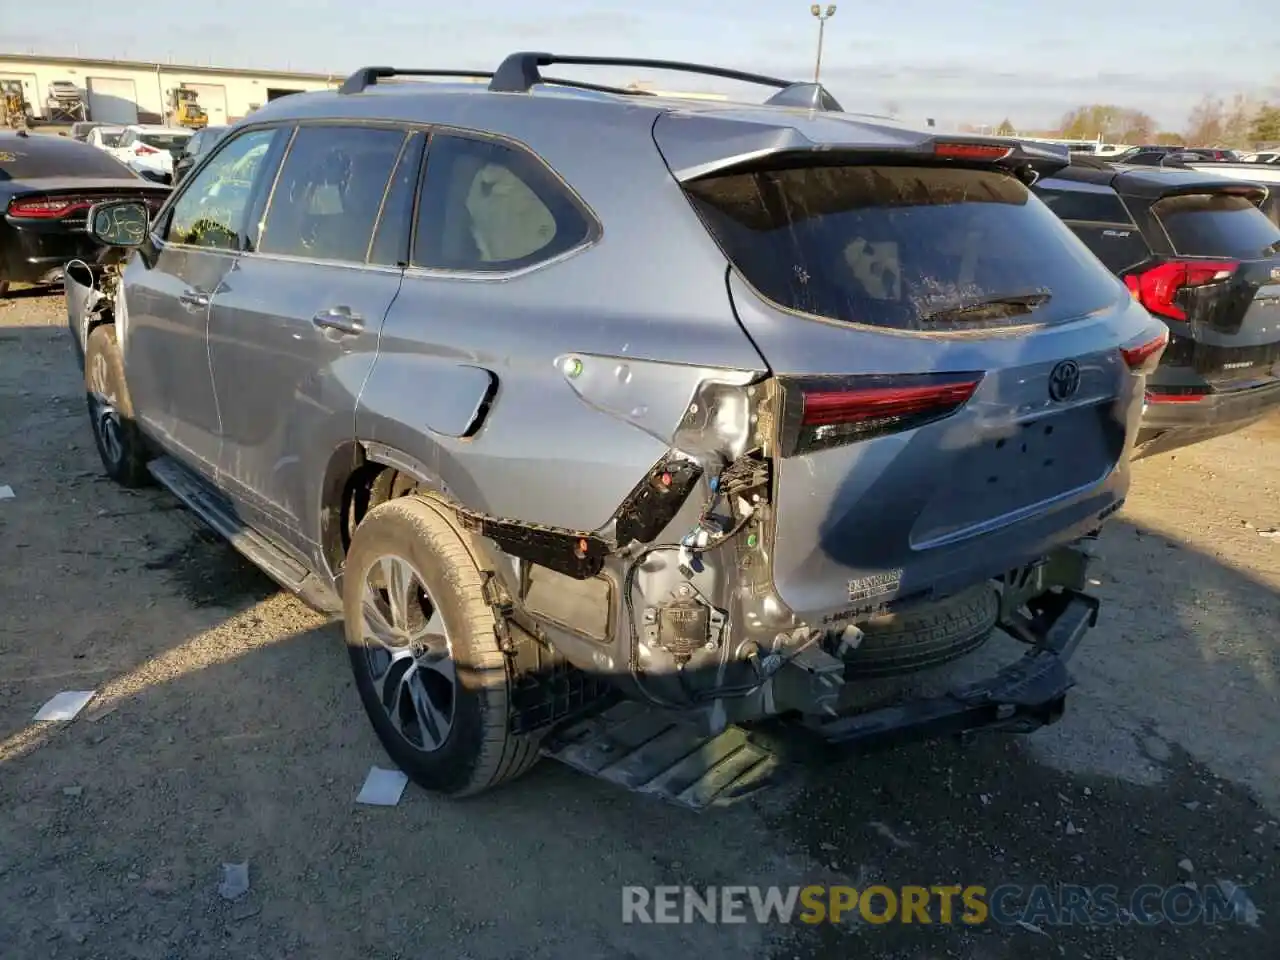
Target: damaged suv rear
815,401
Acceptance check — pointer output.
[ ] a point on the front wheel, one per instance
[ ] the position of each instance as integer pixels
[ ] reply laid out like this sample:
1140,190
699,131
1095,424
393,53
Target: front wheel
426,660
120,442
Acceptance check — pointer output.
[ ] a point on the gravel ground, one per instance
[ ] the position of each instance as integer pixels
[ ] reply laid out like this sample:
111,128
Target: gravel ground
226,729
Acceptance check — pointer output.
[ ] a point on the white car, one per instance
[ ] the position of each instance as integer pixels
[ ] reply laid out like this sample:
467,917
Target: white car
104,138
150,149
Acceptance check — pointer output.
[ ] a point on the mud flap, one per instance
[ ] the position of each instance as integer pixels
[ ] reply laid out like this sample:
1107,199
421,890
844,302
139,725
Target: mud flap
652,751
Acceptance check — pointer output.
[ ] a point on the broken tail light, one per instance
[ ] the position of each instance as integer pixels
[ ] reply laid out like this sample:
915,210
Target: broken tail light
831,412
1144,357
1157,288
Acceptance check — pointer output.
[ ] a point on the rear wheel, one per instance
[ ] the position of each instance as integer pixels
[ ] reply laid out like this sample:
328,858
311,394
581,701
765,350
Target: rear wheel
424,652
120,443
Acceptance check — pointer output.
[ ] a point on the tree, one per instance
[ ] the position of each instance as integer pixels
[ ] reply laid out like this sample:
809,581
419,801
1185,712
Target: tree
1108,121
1005,129
1205,125
1237,121
1168,138
1266,125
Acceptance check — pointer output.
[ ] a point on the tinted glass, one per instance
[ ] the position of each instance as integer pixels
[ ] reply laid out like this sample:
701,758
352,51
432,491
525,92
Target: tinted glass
1119,248
1217,225
164,141
912,248
1105,207
391,243
489,206
1147,159
210,212
111,139
44,156
330,189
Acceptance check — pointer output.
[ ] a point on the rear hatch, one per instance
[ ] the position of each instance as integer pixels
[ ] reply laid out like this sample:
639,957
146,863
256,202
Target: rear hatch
954,392
1218,287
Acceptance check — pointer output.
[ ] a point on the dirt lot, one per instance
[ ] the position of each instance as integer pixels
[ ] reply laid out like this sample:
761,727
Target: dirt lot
226,729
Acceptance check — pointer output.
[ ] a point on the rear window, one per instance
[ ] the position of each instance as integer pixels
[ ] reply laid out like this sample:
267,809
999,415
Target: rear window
1217,225
164,141
911,248
39,155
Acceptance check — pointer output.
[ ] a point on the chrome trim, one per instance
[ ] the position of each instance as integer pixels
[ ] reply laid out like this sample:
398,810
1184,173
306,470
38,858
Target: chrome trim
474,276
318,262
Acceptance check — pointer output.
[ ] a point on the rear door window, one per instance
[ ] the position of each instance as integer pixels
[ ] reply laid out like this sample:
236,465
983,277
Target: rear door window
1217,225
910,248
330,190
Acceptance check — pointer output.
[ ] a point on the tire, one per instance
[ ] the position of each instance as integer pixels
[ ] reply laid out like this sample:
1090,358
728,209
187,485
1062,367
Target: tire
926,635
120,443
478,751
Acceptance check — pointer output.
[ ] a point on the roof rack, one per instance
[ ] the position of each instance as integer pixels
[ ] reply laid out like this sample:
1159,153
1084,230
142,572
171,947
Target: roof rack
367,77
521,72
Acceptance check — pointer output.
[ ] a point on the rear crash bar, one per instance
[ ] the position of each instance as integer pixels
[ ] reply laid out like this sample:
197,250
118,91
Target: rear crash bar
1021,697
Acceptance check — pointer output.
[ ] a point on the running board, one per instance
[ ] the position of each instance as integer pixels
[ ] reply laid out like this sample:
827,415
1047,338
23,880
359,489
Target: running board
651,751
210,507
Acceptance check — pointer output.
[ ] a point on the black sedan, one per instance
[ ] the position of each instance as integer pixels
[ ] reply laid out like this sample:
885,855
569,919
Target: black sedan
47,185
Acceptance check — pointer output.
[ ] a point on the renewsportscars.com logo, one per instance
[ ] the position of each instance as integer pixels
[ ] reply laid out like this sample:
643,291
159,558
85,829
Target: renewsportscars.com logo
1040,905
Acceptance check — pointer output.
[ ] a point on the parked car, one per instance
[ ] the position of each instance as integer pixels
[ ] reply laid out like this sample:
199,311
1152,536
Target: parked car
815,404
150,150
105,137
47,185
1266,158
1198,252
200,143
81,129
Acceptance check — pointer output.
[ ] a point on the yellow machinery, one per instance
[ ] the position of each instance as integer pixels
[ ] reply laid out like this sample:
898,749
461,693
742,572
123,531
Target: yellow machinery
13,105
185,109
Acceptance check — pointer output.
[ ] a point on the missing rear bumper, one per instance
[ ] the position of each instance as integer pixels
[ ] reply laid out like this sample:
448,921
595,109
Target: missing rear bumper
1023,696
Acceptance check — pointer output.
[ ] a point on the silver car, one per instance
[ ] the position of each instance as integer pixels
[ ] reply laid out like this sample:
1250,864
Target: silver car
613,425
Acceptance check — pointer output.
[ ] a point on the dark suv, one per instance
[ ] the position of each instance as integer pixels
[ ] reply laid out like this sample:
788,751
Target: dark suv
1197,251
561,394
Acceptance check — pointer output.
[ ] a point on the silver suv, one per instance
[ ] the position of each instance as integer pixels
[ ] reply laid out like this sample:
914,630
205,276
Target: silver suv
611,423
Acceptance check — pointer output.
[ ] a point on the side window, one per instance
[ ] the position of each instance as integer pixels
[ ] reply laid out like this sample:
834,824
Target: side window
391,242
488,206
211,210
329,193
1098,206
1118,247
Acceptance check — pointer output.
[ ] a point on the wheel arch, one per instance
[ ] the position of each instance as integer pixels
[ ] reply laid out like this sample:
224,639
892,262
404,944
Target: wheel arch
362,474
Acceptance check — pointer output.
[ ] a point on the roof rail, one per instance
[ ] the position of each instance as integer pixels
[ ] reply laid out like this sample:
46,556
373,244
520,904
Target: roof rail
367,77
520,72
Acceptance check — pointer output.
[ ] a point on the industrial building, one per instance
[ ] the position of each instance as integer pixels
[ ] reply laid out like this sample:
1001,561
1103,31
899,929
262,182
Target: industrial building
131,91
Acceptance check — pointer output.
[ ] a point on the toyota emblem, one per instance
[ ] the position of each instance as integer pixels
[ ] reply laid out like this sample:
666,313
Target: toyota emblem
1064,380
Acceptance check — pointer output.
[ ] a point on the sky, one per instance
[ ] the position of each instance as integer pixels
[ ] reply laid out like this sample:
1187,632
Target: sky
974,62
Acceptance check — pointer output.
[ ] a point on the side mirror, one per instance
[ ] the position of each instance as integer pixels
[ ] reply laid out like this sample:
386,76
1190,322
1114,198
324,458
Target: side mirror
119,223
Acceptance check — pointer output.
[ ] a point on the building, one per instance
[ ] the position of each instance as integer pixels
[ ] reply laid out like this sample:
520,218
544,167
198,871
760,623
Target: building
131,91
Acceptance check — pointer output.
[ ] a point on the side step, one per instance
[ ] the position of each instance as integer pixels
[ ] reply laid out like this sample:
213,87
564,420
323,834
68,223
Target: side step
210,507
649,750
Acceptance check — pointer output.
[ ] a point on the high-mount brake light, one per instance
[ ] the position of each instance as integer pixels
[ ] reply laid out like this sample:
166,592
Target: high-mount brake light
971,151
1157,288
1145,357
832,412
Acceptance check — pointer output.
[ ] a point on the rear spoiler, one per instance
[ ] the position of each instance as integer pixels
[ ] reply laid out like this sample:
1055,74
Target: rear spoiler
697,145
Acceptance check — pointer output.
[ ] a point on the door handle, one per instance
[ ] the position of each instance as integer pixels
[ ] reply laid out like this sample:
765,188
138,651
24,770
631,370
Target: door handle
194,298
340,319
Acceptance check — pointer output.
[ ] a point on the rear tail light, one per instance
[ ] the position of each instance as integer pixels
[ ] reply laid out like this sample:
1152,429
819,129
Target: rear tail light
831,412
1157,288
1144,357
45,208
143,149
971,151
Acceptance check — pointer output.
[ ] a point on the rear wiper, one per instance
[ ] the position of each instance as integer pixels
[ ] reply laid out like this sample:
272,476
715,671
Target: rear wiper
1007,305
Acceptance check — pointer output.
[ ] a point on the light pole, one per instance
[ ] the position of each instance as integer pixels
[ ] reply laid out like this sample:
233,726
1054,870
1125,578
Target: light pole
823,16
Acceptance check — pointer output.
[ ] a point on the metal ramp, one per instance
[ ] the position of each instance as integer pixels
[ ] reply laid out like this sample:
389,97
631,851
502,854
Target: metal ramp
663,754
